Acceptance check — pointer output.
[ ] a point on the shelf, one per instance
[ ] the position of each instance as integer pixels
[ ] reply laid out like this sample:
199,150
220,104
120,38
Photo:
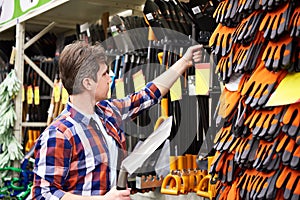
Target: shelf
68,13
34,124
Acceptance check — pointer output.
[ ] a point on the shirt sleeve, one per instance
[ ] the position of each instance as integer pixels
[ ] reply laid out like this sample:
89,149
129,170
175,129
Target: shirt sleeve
131,105
52,161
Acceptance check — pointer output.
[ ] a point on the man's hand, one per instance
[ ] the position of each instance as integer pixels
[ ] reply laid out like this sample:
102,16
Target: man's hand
115,194
193,55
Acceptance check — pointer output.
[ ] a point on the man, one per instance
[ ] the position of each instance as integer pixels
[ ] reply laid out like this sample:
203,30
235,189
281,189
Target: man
77,156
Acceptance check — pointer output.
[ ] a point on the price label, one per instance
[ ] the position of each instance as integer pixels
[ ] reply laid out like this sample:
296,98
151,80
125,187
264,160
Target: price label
176,91
138,80
29,95
56,92
120,91
64,96
36,95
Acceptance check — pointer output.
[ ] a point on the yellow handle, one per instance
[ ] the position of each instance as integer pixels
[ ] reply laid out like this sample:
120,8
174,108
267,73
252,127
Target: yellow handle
171,185
173,164
181,162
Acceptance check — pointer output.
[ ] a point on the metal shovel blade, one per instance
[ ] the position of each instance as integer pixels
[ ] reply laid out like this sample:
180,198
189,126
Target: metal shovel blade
136,159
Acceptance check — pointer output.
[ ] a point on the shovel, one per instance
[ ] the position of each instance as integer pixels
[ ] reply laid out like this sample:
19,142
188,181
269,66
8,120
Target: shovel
139,155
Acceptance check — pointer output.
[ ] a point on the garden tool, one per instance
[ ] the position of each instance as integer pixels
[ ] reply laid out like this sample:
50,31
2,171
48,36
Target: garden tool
287,88
30,141
211,188
116,69
207,7
278,55
290,120
137,157
172,182
260,86
294,24
182,172
265,123
127,23
289,180
183,18
198,174
168,15
221,40
194,175
176,20
120,35
276,22
156,20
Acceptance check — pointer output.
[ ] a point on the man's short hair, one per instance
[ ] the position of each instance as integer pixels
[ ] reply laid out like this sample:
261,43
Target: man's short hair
77,61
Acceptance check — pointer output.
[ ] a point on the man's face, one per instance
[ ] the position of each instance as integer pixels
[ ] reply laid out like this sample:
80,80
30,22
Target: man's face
102,83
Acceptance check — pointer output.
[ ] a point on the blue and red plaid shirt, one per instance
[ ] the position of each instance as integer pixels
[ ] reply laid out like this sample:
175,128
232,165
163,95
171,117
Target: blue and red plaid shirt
71,157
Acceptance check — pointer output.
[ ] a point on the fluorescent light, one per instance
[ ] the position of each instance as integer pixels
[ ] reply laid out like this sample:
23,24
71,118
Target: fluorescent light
124,13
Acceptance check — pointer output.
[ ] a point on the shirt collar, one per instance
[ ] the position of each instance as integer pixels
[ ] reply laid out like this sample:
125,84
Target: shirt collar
81,117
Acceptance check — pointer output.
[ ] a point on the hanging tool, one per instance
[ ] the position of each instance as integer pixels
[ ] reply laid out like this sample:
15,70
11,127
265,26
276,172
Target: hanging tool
210,190
155,18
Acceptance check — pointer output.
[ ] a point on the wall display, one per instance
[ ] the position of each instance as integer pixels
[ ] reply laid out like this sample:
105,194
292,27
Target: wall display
257,148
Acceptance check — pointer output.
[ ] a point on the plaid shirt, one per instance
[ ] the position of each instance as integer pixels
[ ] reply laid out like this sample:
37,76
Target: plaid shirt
71,157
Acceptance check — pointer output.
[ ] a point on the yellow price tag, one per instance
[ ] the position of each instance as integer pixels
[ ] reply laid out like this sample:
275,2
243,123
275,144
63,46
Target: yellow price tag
120,91
138,80
36,95
64,96
176,91
56,93
202,78
29,95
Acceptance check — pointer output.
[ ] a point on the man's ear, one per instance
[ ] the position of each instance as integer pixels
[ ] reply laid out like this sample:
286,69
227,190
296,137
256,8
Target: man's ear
87,83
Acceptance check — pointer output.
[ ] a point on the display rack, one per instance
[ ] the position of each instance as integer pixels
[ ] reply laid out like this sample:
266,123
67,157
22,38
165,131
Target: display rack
61,17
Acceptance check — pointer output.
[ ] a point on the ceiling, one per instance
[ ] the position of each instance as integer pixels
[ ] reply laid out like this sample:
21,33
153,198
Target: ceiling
73,12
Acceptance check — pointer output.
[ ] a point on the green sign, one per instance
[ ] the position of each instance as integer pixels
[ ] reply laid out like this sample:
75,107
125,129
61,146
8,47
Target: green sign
12,9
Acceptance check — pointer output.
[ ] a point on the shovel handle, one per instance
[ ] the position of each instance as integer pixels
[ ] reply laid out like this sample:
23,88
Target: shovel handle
122,179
